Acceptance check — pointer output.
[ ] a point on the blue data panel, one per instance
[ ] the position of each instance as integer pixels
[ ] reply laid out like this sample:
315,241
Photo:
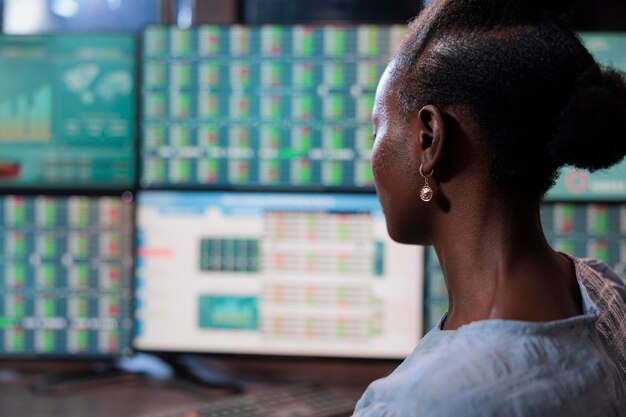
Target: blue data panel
65,275
54,16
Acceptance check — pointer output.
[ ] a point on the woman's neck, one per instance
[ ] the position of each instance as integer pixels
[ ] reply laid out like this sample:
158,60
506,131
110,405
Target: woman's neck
498,265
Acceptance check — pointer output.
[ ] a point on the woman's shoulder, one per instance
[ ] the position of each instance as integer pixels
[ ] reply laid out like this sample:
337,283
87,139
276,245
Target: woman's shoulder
473,374
485,367
568,367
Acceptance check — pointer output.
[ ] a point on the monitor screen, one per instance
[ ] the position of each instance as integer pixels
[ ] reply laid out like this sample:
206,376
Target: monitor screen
65,275
274,274
67,118
268,106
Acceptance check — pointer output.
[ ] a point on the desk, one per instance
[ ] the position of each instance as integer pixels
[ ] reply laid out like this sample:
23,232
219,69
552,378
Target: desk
133,396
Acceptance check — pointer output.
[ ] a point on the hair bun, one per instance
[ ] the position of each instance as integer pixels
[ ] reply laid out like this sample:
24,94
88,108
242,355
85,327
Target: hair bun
591,129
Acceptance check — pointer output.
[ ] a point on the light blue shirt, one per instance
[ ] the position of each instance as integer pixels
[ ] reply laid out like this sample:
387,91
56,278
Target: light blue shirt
564,368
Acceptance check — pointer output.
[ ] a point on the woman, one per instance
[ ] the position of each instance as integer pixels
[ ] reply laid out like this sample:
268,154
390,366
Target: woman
483,103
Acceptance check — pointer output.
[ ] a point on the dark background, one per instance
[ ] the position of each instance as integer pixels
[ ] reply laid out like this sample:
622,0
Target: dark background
133,15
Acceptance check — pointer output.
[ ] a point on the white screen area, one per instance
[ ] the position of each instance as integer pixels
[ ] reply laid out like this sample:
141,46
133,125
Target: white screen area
275,274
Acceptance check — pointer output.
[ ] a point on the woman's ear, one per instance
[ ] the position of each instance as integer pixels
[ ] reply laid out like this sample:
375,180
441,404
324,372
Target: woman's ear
432,136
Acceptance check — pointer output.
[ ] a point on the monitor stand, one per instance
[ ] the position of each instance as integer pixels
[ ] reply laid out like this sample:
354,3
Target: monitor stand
190,370
198,370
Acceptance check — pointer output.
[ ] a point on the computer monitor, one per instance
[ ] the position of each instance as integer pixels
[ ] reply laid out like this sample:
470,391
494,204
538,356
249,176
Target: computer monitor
67,112
65,275
274,274
261,107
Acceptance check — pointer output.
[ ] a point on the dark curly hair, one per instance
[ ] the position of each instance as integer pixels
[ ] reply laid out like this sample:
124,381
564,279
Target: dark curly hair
540,99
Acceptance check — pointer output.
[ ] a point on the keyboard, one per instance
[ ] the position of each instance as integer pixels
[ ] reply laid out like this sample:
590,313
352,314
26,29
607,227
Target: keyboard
288,401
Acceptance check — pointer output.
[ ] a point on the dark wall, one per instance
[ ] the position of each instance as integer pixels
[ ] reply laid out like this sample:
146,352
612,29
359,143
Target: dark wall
329,11
601,15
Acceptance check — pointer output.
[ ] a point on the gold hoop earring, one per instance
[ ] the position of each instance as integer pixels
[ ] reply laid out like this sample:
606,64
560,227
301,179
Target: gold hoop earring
426,193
